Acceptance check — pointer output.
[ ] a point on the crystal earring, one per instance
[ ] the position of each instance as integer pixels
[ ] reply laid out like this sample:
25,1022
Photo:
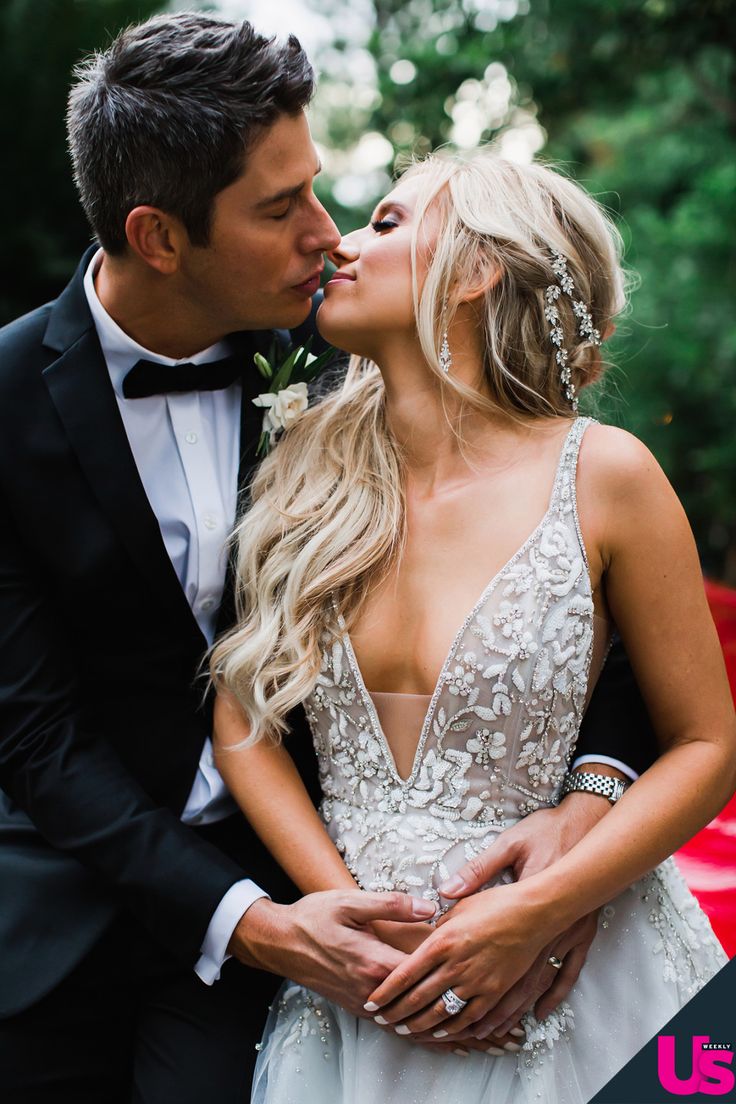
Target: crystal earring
445,355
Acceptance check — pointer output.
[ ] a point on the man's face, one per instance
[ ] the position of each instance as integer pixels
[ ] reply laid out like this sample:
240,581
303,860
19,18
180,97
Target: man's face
268,233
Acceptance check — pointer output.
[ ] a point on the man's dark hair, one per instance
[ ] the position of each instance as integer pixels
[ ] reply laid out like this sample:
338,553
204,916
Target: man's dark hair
167,115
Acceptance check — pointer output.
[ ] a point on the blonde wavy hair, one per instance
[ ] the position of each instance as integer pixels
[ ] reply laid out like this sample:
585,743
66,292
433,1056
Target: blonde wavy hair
327,514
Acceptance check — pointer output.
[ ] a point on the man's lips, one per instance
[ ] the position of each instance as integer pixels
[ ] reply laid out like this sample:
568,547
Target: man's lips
310,285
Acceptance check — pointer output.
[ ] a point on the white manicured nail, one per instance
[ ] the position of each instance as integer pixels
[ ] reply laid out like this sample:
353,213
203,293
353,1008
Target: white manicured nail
371,1006
463,1053
380,1020
402,1029
495,1051
440,1034
518,1032
513,1047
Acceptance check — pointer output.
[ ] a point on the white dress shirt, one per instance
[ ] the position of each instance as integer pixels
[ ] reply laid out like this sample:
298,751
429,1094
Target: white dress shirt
186,447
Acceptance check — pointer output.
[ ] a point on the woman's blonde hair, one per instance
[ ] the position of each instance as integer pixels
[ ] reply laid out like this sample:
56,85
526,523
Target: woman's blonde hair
327,517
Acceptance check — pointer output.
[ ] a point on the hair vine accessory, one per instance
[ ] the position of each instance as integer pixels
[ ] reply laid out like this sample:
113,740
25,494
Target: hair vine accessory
586,329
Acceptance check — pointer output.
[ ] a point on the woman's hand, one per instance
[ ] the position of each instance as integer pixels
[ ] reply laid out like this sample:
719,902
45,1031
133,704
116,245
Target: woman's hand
479,950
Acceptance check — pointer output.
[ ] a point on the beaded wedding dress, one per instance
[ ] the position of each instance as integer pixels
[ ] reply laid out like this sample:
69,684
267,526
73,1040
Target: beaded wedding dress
495,743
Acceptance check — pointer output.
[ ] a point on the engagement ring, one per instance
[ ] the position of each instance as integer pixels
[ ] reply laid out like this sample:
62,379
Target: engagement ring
452,1002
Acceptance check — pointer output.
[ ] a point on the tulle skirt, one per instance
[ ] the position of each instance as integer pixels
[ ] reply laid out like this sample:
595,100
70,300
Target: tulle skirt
654,950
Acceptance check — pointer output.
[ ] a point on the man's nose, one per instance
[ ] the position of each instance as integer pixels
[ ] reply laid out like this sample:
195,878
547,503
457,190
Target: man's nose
323,234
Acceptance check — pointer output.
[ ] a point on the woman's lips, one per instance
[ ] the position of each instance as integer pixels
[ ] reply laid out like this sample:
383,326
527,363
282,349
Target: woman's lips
339,278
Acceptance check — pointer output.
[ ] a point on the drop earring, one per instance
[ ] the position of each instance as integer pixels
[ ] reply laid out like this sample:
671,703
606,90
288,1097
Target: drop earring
445,355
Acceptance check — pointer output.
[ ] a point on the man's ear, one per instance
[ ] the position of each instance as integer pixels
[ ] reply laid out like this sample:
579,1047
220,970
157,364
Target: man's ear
156,237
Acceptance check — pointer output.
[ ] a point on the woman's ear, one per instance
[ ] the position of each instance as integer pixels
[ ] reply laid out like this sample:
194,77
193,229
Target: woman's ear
481,283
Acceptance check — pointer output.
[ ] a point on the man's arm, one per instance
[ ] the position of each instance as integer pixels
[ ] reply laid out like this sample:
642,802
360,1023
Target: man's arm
616,725
74,787
83,801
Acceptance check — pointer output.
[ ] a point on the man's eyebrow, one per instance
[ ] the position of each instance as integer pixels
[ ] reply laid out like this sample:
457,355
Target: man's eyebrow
285,193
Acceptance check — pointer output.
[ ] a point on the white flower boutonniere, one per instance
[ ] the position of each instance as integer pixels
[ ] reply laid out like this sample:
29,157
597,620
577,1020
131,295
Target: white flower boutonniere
287,397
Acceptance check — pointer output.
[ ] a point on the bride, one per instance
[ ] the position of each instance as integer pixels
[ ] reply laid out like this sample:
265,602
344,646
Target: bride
434,560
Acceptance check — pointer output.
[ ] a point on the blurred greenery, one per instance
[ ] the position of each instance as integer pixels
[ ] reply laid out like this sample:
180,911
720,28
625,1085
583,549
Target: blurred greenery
635,99
44,229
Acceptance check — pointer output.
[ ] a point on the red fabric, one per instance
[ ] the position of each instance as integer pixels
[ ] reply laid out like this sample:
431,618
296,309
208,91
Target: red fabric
708,861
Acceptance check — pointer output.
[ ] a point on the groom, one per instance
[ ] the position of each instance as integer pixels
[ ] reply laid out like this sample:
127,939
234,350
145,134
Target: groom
130,884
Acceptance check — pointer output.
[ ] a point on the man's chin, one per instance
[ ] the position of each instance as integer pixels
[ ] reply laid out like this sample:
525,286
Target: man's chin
288,317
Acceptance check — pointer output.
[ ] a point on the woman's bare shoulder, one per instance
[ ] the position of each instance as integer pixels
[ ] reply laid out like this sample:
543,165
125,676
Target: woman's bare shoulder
613,462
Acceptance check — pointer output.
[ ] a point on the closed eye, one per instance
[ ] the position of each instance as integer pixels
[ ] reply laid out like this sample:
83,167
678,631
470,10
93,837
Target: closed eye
383,224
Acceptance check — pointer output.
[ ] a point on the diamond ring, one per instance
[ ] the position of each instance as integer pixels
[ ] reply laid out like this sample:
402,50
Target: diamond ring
452,1002
555,961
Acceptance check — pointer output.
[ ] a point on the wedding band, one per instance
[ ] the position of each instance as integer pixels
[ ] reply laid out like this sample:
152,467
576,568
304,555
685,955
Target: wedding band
452,1002
555,961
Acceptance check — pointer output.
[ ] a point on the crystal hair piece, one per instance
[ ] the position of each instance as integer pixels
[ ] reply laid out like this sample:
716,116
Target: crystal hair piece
586,329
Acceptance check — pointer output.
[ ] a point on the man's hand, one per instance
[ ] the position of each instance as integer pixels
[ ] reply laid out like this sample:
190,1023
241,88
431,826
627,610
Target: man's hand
325,942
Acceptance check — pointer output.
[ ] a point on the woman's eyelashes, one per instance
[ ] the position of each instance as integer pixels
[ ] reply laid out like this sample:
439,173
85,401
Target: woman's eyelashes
383,224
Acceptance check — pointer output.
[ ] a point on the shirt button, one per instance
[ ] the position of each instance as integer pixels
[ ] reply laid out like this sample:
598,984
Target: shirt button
210,522
191,438
207,603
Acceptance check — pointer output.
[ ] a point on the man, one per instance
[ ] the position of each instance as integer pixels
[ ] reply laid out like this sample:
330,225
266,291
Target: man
127,875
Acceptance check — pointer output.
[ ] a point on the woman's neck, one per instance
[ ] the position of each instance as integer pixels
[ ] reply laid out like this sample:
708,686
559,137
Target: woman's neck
443,439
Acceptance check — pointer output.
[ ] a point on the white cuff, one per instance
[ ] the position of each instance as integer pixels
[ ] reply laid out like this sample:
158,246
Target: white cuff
609,762
225,918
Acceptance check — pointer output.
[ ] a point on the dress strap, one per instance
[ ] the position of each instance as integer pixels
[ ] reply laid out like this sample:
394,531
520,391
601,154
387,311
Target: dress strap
564,496
563,490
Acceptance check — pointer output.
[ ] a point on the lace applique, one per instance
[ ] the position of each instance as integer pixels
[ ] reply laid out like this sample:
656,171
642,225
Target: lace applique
541,1035
690,952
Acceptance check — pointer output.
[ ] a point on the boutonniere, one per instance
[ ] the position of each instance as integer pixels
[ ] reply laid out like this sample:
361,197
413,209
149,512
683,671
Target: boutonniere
287,397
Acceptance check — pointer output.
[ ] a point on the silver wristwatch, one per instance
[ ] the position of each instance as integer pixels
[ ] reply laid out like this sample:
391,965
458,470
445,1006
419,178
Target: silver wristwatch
587,782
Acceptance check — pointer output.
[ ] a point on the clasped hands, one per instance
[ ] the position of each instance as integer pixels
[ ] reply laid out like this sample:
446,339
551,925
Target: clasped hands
493,949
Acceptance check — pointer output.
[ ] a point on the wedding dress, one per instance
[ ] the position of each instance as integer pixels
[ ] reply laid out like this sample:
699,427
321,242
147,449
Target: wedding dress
496,740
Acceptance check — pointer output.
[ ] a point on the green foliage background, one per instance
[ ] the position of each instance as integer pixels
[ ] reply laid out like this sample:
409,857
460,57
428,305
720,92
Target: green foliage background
637,101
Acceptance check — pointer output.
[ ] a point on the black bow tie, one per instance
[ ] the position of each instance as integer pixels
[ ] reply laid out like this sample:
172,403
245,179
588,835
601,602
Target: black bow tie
149,378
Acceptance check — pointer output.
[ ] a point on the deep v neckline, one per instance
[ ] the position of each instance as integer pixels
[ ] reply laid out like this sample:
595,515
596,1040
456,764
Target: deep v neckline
365,697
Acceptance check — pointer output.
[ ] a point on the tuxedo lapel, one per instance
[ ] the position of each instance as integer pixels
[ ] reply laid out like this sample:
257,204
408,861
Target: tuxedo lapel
80,388
246,344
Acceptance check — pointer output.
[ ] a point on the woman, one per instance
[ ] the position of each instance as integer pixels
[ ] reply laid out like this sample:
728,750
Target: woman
474,304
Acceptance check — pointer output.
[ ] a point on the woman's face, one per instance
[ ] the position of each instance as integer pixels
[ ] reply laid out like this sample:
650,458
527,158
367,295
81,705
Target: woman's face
368,302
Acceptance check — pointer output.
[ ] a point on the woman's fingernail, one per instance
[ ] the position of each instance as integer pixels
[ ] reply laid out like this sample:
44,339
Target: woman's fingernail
513,1047
461,1051
440,1034
371,1006
518,1032
402,1029
496,1051
453,885
380,1020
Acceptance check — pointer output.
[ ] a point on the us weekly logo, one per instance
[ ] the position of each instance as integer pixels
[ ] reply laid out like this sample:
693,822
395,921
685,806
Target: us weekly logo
705,1069
691,1058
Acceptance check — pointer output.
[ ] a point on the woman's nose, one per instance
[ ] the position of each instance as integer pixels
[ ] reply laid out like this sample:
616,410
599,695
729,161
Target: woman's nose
345,252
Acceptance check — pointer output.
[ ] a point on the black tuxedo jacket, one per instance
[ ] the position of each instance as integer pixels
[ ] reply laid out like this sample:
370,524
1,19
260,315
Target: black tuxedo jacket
101,720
